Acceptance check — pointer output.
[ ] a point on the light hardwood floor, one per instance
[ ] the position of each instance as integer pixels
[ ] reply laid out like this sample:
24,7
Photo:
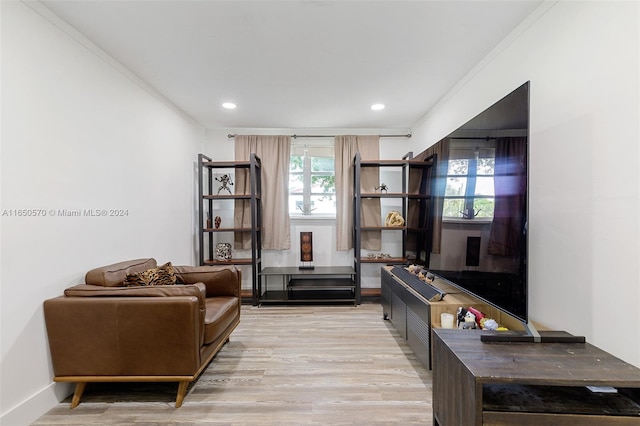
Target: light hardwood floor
288,365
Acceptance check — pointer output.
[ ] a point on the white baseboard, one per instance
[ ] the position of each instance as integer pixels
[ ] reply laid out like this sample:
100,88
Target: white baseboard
36,405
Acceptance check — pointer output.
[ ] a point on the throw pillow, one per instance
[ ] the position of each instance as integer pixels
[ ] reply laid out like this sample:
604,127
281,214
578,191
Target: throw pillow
162,275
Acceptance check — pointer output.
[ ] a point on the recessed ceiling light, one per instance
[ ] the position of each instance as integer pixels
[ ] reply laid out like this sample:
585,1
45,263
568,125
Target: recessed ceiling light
377,107
228,105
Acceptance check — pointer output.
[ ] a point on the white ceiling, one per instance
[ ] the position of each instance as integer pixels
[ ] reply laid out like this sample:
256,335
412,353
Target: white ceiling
297,64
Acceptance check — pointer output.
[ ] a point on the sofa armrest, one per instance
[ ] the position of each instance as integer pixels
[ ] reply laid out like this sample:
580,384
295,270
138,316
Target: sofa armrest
219,280
113,275
124,336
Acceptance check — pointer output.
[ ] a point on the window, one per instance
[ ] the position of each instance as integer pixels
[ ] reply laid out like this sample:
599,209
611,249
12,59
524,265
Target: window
312,183
469,190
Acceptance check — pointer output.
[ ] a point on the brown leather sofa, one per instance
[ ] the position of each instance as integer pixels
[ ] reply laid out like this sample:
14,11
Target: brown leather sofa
104,331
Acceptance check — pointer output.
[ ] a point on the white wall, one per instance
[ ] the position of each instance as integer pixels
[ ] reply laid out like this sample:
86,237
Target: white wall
219,147
78,133
453,253
582,59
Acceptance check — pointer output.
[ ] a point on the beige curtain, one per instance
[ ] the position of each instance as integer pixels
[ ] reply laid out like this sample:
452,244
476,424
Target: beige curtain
441,149
510,181
274,151
345,151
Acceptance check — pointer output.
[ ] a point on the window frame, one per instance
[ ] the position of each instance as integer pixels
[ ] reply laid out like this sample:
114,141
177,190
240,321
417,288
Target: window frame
471,178
307,177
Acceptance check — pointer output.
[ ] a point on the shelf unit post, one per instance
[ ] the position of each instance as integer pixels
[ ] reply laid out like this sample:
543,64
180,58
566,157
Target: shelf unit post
210,209
357,261
427,207
255,174
201,217
424,197
206,199
405,199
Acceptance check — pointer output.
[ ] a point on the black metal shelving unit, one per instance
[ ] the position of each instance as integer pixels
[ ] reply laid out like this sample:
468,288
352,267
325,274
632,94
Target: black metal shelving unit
423,199
208,233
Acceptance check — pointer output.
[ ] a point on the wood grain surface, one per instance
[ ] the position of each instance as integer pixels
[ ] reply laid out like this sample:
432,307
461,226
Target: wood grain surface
284,365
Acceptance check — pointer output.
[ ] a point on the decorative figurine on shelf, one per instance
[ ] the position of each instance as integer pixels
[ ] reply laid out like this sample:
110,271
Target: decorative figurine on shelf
379,256
306,250
223,252
217,221
394,219
225,181
382,187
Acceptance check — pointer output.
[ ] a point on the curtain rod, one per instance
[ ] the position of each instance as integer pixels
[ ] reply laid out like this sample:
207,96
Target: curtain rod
408,135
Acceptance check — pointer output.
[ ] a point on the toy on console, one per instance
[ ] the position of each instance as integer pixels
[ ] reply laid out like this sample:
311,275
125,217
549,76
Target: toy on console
488,324
469,321
460,313
470,318
479,315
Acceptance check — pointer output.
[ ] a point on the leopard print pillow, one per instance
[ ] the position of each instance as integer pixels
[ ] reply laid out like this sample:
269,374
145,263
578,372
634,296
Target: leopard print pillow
162,275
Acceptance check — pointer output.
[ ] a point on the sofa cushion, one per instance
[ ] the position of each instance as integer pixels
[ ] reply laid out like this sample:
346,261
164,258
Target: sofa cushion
114,275
220,280
162,275
221,312
85,290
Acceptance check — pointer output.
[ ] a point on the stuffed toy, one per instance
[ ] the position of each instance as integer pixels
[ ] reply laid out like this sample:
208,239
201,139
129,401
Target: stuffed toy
460,313
488,324
472,318
479,315
469,321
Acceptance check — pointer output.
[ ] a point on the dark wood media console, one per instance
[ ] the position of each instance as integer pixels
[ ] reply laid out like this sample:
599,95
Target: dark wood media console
414,316
497,383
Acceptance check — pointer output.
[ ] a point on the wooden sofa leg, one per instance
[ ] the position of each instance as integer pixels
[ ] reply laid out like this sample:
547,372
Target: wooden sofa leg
182,392
77,394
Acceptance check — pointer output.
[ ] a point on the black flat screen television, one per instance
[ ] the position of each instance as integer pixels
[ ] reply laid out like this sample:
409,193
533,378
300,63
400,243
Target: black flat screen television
481,217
